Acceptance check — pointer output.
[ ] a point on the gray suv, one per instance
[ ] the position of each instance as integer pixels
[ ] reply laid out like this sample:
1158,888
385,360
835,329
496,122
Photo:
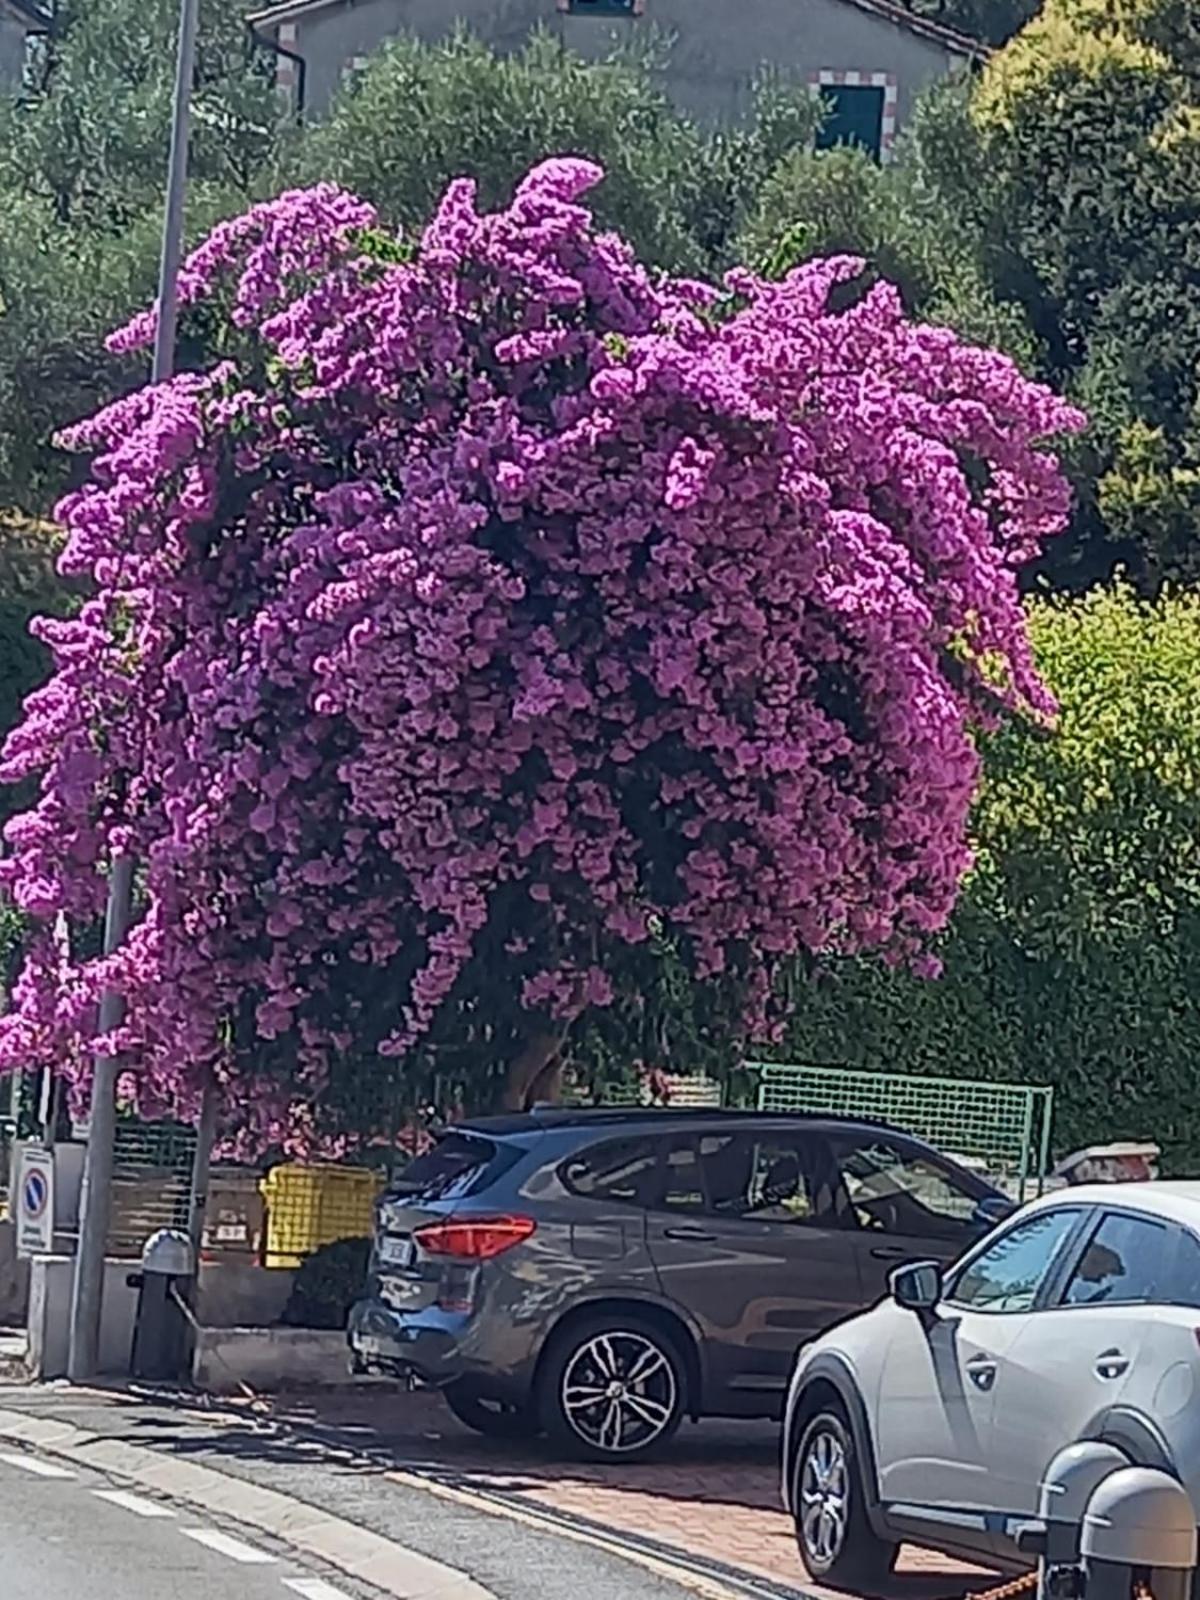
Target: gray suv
597,1275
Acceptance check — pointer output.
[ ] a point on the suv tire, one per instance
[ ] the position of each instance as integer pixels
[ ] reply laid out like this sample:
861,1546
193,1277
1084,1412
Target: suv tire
497,1419
837,1543
613,1387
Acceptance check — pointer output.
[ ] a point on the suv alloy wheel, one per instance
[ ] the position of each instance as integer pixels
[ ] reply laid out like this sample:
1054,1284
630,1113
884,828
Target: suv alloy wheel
613,1388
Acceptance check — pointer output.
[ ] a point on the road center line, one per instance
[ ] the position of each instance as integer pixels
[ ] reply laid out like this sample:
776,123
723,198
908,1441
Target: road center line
138,1504
314,1589
225,1546
40,1469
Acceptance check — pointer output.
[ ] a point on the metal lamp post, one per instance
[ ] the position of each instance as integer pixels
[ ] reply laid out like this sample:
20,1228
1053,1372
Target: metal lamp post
95,1198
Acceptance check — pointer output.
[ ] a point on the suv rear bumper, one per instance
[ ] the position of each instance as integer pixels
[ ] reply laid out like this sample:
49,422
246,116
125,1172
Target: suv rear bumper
425,1346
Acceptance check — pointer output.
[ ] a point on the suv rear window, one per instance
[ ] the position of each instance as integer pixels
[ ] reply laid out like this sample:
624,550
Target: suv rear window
459,1164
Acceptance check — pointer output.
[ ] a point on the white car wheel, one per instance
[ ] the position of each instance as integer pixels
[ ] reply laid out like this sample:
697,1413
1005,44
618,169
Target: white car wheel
837,1542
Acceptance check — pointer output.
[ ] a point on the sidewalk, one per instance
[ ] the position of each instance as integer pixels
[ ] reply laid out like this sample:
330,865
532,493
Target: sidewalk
708,1516
716,1497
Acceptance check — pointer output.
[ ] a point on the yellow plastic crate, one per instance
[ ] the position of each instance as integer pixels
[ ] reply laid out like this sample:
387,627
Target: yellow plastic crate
308,1206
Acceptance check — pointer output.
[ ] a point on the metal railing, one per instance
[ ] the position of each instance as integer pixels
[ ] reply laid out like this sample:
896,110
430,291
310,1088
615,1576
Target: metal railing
152,1170
1001,1128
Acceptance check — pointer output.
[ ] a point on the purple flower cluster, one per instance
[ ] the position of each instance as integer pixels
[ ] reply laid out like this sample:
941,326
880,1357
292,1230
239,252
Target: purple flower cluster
497,596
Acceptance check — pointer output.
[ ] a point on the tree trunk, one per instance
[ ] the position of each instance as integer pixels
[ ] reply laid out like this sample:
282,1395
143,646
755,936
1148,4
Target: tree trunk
529,1069
546,1088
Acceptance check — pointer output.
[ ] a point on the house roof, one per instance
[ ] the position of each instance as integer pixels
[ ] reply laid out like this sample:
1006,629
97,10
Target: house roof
888,10
26,12
960,43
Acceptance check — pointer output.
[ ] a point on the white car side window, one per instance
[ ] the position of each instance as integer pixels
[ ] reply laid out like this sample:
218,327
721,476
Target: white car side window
1009,1273
1125,1263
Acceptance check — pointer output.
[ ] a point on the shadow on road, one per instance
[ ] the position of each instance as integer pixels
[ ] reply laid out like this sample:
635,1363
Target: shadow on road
714,1497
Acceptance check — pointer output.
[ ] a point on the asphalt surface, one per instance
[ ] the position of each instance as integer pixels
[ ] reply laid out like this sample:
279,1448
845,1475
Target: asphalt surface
512,1559
63,1534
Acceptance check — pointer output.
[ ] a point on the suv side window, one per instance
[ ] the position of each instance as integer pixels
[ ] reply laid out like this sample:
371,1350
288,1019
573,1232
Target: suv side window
1009,1273
1124,1263
752,1176
702,1170
896,1188
621,1171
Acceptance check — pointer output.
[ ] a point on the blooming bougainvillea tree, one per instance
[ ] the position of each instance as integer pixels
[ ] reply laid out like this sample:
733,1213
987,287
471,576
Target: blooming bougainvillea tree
490,608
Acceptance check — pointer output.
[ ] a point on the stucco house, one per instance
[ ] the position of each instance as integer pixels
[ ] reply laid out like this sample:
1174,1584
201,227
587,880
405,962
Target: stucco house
20,20
869,57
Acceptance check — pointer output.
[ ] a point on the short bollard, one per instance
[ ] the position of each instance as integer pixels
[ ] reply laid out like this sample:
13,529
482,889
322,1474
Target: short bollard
1070,1480
1139,1529
160,1331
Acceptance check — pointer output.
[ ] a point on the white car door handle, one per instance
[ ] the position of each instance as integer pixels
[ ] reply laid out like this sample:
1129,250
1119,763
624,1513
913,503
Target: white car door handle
982,1372
1111,1364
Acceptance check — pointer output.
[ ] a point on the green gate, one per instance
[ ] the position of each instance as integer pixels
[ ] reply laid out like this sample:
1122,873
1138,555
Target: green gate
1001,1128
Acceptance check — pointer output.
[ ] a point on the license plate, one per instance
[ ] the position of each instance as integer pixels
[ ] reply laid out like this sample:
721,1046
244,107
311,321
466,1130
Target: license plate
396,1252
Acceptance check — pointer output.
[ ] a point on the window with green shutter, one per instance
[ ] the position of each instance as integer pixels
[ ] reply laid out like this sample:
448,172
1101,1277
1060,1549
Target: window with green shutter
853,116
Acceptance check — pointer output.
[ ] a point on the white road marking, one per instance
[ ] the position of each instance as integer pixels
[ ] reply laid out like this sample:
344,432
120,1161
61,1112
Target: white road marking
314,1589
138,1504
225,1546
40,1469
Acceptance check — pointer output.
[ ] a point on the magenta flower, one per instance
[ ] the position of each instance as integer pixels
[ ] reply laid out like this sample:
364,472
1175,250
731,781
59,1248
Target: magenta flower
485,610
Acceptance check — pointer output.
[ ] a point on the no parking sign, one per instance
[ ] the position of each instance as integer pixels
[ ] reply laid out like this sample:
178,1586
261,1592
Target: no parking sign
35,1202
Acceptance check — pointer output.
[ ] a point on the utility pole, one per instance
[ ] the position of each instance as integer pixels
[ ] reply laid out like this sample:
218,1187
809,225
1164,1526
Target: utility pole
206,1129
96,1195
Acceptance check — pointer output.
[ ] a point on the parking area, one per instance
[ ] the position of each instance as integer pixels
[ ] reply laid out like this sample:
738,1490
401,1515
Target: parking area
714,1495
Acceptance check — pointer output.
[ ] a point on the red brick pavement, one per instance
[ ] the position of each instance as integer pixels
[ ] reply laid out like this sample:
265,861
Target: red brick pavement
716,1495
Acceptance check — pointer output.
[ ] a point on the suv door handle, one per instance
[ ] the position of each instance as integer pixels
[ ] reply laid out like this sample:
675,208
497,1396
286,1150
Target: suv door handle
696,1235
890,1252
982,1372
1111,1364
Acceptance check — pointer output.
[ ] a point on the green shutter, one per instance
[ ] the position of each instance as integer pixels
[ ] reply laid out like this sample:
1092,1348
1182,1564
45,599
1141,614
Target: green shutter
854,115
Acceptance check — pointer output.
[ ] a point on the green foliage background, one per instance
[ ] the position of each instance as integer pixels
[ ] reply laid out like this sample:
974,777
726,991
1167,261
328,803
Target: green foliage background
1074,956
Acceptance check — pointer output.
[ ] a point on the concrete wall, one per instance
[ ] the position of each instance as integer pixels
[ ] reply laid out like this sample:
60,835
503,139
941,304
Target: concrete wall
332,39
50,1316
12,51
229,1295
719,45
269,1358
234,1294
14,1279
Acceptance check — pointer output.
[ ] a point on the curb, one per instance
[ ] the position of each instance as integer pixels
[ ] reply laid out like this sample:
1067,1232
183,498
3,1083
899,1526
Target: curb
355,1551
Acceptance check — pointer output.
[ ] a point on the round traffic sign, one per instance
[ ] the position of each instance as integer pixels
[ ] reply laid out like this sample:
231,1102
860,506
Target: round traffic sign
34,1193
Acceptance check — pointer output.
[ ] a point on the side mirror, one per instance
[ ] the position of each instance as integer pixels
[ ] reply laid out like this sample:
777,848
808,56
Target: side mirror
993,1208
917,1286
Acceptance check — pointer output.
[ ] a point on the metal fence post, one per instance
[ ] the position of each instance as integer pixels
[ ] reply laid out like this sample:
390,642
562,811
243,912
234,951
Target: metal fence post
206,1129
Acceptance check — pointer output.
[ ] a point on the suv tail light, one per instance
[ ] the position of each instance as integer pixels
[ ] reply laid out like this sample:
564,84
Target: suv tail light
473,1238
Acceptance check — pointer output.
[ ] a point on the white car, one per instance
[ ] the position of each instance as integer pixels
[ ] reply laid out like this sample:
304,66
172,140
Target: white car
932,1417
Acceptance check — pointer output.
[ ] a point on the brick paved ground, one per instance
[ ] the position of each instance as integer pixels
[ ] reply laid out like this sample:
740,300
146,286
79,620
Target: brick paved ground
716,1495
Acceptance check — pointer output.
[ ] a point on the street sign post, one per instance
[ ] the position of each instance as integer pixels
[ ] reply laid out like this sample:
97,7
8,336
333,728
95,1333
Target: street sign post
35,1202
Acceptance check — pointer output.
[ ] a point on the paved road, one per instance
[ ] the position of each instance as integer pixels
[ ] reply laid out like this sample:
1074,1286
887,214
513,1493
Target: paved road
70,1533
513,1559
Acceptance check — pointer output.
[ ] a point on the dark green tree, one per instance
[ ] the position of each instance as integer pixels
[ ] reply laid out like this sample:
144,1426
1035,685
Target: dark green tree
1090,122
905,219
83,162
990,21
419,114
1074,956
